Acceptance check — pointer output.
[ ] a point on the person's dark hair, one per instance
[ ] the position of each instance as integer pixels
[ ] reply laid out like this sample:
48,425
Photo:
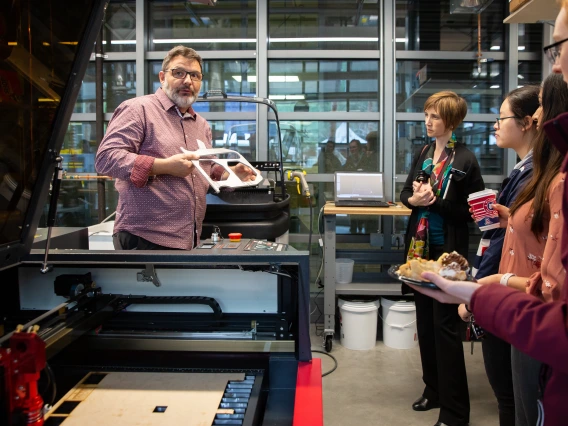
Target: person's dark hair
523,102
357,142
546,158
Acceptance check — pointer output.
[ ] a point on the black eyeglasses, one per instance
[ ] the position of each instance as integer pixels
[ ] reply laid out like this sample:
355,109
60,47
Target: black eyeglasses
181,74
498,120
552,51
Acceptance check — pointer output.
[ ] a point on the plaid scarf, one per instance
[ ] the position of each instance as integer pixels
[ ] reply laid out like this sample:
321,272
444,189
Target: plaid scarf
439,172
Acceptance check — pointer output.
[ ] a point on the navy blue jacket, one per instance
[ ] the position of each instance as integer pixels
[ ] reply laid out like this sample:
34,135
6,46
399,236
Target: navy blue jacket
488,264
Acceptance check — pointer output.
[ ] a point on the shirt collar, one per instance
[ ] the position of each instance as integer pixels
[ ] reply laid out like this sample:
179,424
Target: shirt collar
524,160
168,104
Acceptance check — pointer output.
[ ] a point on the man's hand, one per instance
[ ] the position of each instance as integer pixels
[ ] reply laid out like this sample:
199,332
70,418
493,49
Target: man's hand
179,165
245,173
450,291
423,195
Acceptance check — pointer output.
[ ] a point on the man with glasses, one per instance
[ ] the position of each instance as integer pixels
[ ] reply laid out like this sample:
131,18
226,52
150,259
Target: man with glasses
161,201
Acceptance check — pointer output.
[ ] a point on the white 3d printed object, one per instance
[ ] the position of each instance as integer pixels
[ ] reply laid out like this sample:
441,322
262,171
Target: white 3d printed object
233,180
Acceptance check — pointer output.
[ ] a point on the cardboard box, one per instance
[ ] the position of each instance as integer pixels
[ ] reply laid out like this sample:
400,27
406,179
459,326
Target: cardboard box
516,4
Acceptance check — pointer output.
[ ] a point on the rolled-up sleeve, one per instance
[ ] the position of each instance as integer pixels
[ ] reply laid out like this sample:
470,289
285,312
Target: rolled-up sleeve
117,155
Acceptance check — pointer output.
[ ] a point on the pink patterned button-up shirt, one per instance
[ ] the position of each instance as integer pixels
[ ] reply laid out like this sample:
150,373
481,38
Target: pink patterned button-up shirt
164,209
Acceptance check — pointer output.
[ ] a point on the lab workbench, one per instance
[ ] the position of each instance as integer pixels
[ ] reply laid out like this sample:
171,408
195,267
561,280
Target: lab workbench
367,284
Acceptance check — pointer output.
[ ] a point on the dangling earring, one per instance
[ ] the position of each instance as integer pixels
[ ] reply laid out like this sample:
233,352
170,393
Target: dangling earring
452,140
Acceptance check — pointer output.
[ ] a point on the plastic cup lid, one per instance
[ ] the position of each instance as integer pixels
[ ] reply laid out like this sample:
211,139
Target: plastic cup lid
483,193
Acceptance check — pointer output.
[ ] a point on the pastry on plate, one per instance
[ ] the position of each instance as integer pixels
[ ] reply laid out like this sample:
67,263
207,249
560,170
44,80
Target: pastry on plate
452,266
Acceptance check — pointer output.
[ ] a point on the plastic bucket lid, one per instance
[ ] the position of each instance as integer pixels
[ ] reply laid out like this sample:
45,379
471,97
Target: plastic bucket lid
359,306
398,305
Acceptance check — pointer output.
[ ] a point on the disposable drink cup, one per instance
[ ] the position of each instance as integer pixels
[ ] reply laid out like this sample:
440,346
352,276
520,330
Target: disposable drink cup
481,204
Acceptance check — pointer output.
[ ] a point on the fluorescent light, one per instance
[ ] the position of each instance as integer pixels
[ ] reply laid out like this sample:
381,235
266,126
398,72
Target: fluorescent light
272,78
204,40
495,86
520,77
286,97
322,39
283,78
12,43
123,42
250,78
521,48
495,48
401,39
120,42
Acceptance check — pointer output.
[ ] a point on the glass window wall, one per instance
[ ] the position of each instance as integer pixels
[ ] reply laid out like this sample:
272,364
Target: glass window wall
481,86
479,138
329,25
323,146
429,25
119,28
229,25
119,84
530,38
322,86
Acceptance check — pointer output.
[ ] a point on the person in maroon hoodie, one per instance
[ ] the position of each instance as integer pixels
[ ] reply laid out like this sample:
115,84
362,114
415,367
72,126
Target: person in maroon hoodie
537,328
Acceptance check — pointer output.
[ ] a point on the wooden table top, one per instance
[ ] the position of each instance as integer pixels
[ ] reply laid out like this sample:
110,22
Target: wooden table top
398,210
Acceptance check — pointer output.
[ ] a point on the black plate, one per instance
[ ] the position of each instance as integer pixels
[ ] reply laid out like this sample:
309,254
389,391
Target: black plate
406,280
392,272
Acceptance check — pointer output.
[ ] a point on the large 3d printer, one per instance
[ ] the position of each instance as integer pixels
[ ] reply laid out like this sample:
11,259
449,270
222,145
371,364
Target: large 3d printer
112,337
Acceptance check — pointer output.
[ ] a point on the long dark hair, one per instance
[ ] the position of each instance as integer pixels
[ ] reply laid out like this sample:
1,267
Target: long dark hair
523,101
546,158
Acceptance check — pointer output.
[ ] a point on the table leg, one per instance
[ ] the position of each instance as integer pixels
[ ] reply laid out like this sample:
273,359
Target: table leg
329,277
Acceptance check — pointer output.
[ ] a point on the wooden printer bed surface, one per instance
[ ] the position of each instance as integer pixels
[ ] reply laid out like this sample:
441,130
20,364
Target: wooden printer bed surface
132,398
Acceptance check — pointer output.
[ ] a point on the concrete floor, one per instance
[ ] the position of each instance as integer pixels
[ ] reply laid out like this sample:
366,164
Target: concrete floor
377,387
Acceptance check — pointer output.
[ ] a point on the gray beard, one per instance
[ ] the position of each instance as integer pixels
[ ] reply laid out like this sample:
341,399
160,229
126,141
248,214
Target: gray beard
182,102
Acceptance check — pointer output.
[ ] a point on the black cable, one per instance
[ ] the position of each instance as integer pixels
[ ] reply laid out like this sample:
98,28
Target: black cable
320,333
332,357
51,375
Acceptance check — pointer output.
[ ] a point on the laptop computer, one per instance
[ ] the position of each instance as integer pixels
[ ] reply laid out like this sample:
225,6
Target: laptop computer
359,190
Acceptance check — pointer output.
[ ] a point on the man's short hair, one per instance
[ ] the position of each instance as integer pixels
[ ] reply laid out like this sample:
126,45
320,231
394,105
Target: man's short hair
186,52
451,107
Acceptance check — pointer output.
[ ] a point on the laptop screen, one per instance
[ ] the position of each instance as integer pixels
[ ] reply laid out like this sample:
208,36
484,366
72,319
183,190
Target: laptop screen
359,186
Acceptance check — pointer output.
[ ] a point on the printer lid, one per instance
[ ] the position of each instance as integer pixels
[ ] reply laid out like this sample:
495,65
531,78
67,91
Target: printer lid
44,51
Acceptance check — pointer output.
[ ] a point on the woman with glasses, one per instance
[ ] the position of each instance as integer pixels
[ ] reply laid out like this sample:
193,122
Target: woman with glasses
531,260
438,224
516,130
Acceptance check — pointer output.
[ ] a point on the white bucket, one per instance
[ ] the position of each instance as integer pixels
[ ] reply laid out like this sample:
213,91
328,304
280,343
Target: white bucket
344,271
358,324
399,324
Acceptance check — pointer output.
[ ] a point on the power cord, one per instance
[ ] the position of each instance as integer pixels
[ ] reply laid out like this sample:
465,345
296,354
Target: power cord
332,357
